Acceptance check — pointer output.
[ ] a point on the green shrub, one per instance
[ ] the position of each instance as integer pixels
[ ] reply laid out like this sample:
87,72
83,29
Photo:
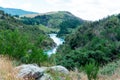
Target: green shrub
19,46
13,43
91,69
37,56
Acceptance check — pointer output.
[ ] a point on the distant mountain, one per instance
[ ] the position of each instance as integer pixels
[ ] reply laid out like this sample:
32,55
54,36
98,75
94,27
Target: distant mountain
19,12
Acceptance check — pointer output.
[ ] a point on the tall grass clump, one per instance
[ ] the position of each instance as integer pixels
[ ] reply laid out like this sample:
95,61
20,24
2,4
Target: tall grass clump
91,69
7,70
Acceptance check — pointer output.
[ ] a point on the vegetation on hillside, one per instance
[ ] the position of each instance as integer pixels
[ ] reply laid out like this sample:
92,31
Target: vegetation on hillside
20,47
97,41
22,42
8,22
61,20
48,29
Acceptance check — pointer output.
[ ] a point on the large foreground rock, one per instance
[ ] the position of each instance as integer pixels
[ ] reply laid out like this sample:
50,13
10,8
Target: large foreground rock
30,71
39,73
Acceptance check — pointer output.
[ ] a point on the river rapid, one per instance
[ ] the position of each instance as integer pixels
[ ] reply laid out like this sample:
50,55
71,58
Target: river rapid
58,42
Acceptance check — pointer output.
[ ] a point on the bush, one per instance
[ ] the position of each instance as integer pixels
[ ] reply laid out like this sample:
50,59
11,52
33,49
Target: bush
81,57
91,69
19,46
13,43
37,56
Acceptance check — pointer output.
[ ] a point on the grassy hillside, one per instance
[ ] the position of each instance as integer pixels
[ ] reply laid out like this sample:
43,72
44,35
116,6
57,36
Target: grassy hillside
61,20
52,19
97,41
47,29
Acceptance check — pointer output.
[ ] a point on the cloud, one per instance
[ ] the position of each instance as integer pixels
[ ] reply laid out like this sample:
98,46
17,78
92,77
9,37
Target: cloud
1,1
94,9
86,9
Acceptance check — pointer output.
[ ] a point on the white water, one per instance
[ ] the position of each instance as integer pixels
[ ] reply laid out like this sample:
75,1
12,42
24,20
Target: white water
58,42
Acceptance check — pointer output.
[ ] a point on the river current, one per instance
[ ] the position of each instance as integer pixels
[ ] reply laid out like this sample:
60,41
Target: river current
58,42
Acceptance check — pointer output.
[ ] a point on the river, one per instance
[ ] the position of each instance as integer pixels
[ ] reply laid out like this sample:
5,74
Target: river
58,42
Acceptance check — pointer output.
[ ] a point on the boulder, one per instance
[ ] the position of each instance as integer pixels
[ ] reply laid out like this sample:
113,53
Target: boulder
59,69
30,71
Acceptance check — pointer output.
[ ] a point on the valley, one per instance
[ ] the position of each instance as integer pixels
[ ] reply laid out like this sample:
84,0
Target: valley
59,46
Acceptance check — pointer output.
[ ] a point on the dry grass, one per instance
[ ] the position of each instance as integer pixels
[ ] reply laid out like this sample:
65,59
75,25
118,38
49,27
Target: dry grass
115,76
82,76
7,71
75,75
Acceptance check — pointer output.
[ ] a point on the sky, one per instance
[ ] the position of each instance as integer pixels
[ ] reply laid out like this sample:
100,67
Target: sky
85,9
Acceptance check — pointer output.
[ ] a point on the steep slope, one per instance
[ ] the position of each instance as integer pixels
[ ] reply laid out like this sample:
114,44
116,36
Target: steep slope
10,23
22,42
13,11
97,41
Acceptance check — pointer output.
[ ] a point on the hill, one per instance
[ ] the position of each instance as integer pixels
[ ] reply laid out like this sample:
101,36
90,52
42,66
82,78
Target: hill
51,19
97,41
62,20
13,11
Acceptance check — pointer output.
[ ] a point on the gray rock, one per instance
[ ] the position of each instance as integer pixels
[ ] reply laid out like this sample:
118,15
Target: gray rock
39,73
60,69
30,71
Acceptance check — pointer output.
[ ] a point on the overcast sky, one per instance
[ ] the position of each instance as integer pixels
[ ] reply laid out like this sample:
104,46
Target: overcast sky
85,9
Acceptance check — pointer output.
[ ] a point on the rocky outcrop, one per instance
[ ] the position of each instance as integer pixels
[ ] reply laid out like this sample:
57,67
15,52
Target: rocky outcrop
30,71
39,73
